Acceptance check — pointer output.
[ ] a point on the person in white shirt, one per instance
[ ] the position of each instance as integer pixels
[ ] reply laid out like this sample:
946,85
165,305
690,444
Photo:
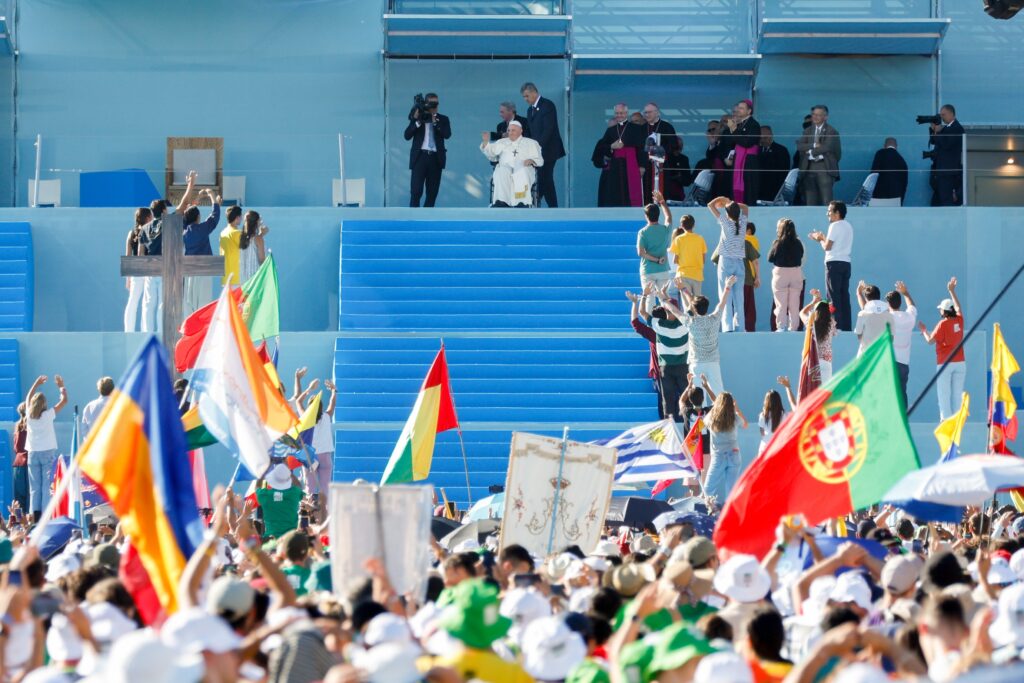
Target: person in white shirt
41,442
873,317
518,158
94,407
904,322
838,246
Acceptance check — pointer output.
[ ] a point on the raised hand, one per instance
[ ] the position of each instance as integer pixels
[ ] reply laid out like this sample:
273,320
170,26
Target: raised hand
951,285
631,296
901,287
41,379
59,381
301,372
783,380
330,385
816,294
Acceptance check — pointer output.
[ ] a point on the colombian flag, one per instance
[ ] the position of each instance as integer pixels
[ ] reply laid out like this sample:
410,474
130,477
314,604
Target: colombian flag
1002,411
433,413
949,430
136,455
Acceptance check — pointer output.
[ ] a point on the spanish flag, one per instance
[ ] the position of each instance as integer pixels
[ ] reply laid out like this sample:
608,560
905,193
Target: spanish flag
238,402
433,413
136,455
949,430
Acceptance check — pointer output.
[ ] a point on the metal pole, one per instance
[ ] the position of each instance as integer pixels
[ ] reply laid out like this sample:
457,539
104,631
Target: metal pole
558,487
963,169
39,158
341,168
462,444
967,336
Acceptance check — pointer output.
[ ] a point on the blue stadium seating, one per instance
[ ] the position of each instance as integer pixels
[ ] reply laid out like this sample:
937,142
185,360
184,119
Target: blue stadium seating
16,277
10,380
535,329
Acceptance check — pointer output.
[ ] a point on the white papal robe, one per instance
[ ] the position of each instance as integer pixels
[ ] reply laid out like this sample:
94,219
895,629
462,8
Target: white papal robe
513,180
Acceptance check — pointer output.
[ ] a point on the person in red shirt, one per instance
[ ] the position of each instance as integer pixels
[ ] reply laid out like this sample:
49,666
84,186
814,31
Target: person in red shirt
21,459
947,336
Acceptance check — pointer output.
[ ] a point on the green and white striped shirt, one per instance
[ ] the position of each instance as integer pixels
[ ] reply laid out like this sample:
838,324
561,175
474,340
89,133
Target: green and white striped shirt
673,341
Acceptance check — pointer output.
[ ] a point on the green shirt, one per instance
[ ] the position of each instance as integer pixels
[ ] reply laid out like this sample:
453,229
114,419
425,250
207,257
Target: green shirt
297,575
661,619
280,510
655,240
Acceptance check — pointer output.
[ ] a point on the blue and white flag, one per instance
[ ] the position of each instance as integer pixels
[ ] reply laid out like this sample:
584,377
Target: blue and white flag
650,452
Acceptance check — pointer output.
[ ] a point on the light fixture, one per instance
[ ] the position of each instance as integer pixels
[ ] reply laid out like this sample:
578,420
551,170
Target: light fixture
1011,160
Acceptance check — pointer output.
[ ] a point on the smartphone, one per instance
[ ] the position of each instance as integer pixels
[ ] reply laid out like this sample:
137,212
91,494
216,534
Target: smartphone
558,591
526,580
304,522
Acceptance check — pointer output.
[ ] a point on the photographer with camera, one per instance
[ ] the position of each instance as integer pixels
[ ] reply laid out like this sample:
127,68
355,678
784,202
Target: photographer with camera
428,130
946,141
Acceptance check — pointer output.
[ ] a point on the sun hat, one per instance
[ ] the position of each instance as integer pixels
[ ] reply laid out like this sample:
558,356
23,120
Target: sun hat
607,548
523,606
389,663
279,477
558,565
473,616
230,598
677,646
1008,626
1000,573
470,545
699,550
193,631
899,574
851,587
140,656
47,674
598,564
723,667
742,579
105,554
669,519
387,628
643,544
630,577
1017,563
108,623
812,609
551,649
60,566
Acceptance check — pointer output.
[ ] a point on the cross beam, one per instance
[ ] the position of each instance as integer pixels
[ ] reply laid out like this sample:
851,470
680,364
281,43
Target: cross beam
172,267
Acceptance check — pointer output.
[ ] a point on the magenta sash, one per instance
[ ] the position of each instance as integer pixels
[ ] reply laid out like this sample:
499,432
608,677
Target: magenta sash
739,164
636,193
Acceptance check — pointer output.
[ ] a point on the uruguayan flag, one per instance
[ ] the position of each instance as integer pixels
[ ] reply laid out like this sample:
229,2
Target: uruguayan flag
650,452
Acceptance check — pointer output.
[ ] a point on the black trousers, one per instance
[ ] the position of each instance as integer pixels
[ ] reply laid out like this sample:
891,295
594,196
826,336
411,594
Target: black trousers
546,184
837,283
904,372
673,384
425,172
948,187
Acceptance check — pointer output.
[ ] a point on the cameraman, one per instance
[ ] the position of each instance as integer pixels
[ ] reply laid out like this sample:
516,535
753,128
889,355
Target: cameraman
946,141
428,130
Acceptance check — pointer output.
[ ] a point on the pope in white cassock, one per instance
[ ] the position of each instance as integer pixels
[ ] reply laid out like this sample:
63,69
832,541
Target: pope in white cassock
517,158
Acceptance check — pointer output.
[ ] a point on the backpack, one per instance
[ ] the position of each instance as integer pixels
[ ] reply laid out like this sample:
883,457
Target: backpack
151,236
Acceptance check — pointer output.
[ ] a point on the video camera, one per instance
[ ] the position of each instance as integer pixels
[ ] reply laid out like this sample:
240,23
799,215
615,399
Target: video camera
930,119
421,109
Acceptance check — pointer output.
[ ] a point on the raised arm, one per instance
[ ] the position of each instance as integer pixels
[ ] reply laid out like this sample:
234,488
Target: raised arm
192,577
929,337
190,191
40,381
297,386
329,410
901,287
952,295
784,381
666,213
862,300
805,312
63,400
707,388
744,209
715,204
729,282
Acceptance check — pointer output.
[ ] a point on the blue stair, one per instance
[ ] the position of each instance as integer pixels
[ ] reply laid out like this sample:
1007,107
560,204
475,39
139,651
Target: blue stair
535,327
16,277
10,381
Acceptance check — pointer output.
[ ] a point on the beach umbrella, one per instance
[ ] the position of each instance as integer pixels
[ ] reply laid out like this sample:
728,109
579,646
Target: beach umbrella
967,480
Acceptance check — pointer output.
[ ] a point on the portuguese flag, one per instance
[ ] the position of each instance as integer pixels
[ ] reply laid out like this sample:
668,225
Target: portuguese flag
433,413
839,451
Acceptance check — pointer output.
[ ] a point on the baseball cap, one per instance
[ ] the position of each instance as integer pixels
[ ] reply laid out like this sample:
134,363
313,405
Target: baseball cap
387,628
743,579
851,587
899,574
551,649
193,631
140,656
723,667
946,305
230,598
105,554
698,550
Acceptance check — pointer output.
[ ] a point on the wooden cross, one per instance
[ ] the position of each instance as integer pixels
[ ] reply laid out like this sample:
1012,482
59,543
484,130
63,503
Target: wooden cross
173,267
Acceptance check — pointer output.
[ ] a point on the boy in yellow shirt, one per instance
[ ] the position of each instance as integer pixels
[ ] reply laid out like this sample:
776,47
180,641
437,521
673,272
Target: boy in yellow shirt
691,252
229,239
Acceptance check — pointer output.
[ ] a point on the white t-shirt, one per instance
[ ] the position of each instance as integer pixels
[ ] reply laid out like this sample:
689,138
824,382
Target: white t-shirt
41,436
323,435
902,332
871,322
841,235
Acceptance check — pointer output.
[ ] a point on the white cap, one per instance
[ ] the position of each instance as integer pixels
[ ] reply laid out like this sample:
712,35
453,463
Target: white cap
1008,626
851,587
470,545
279,478
1017,563
598,564
946,305
723,667
140,656
1000,573
814,606
193,631
514,122
743,579
387,628
551,649
607,548
62,641
523,606
108,623
389,663
61,565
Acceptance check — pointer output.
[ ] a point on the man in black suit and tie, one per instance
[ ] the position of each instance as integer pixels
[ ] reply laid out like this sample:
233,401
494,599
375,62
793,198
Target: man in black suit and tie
428,130
543,121
891,168
774,161
947,162
507,112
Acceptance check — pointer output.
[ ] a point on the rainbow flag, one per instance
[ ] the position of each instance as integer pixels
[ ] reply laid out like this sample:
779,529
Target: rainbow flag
433,413
1003,407
238,403
949,430
196,433
136,455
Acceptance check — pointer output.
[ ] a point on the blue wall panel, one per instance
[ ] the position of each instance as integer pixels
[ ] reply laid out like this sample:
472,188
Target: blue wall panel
617,26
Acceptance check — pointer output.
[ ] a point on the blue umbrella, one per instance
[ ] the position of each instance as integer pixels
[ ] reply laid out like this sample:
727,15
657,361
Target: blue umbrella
491,507
55,536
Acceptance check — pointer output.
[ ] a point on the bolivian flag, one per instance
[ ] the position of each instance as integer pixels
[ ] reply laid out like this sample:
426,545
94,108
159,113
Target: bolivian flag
136,455
196,433
433,413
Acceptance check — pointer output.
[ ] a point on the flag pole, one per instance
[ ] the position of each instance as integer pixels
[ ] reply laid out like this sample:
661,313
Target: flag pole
462,444
967,336
558,487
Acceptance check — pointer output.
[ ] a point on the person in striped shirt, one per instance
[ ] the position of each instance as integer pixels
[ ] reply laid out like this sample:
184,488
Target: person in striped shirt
672,343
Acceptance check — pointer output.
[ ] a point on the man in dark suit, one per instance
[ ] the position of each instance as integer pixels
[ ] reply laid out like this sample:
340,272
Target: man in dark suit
947,162
507,112
892,172
820,152
428,130
543,121
774,161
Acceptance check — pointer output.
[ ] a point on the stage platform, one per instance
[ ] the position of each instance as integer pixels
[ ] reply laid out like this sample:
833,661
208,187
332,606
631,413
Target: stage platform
529,303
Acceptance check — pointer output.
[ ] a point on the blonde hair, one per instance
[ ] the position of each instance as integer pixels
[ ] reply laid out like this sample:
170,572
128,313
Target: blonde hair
722,416
37,406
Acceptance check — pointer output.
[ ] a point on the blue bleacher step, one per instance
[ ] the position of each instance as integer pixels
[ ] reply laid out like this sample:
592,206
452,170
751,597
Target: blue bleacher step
385,226
510,254
480,306
497,321
456,293
554,373
458,262
458,238
626,278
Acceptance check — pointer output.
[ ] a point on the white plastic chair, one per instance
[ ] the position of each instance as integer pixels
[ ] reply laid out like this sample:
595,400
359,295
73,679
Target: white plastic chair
49,192
233,190
863,197
355,192
785,195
